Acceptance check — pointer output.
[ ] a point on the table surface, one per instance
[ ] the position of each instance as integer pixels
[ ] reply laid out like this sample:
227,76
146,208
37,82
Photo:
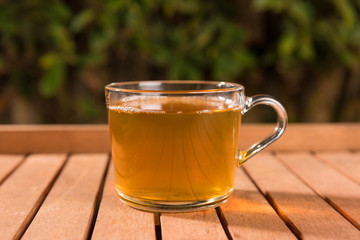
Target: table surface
57,182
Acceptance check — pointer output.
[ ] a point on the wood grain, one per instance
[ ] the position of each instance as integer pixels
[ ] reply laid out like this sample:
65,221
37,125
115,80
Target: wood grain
23,192
95,138
324,136
301,191
8,163
54,138
341,192
68,210
250,216
192,225
344,161
118,221
309,215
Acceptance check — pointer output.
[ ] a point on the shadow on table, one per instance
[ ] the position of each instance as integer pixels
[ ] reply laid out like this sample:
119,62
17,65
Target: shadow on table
300,212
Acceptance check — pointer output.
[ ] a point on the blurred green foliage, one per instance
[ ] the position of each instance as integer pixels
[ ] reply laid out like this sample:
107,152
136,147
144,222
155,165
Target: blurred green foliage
58,55
316,31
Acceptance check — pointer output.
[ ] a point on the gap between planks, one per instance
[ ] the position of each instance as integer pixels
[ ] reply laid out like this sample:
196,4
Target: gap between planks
115,220
98,199
220,215
224,222
346,162
68,210
157,223
40,172
8,164
248,214
276,208
312,216
333,186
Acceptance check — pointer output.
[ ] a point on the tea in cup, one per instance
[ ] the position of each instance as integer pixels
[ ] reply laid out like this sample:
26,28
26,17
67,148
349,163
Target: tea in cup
175,144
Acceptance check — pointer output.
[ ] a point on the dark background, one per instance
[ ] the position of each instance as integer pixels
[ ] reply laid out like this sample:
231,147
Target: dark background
57,56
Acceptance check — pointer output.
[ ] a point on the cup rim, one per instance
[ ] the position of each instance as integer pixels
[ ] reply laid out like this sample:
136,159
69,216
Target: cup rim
219,86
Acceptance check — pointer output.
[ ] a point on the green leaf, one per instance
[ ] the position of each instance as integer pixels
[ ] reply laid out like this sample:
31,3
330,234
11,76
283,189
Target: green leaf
205,34
81,20
354,37
2,63
182,69
93,58
7,27
58,11
347,12
301,13
226,67
161,55
306,48
192,72
62,39
53,75
348,58
275,5
230,34
112,6
244,59
169,8
87,107
188,6
287,44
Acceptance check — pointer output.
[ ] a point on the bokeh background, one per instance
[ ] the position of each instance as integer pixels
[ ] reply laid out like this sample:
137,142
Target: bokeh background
57,56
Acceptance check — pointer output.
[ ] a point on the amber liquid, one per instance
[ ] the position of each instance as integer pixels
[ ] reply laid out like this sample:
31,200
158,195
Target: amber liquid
174,149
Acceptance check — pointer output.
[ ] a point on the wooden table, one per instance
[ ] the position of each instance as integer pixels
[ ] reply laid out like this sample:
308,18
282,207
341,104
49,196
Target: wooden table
56,182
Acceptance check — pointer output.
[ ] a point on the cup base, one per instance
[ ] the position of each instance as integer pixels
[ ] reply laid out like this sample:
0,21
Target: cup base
159,206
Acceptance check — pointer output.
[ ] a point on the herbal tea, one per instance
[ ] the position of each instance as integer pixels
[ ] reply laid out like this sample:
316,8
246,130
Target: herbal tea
174,149
175,143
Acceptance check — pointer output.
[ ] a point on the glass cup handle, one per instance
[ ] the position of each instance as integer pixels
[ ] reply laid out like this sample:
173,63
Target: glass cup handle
282,120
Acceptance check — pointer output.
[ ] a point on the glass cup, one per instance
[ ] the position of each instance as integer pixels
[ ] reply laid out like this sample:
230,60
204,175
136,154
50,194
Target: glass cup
175,144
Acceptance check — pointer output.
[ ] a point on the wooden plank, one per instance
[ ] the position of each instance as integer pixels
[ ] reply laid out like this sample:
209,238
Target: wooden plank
23,192
342,193
8,163
118,221
64,138
309,216
68,210
95,138
344,161
250,216
306,136
192,225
